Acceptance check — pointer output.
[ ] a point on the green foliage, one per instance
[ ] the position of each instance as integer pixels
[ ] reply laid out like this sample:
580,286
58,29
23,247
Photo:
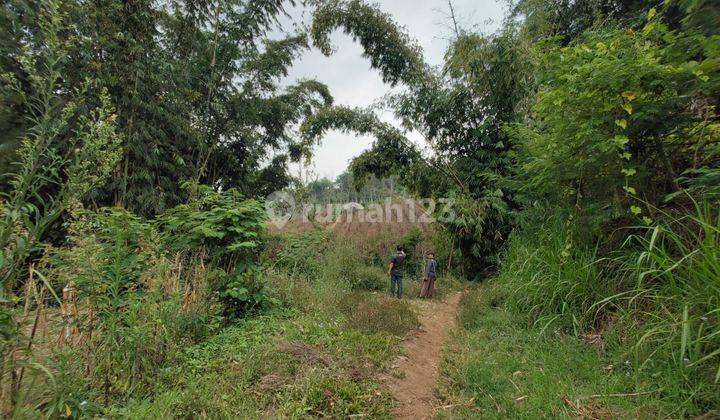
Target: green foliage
195,87
223,224
674,270
317,355
654,302
568,20
701,15
8,329
389,49
353,271
300,254
550,375
69,148
243,293
623,124
553,283
370,279
139,317
72,393
122,246
226,229
344,189
266,366
614,116
316,254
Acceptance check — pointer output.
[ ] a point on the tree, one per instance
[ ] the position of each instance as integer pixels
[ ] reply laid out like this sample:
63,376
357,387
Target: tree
459,110
195,88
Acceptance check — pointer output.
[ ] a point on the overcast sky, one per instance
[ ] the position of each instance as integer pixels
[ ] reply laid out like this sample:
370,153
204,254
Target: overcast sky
353,83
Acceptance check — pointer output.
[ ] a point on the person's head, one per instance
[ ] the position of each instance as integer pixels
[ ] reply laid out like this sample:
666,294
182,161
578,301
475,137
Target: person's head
399,248
430,256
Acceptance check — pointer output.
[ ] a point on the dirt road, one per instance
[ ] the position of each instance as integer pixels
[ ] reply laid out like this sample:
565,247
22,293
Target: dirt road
417,371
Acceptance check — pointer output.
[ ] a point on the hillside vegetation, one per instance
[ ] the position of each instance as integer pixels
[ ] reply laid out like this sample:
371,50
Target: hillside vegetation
578,147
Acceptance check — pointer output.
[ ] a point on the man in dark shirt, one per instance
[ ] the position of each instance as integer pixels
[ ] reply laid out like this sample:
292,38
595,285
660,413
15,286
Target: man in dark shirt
396,271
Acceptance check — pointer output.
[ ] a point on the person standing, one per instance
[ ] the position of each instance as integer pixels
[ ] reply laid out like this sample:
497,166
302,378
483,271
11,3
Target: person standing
429,282
396,271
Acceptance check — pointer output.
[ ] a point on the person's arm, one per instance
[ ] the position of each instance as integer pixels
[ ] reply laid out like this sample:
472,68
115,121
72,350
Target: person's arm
390,267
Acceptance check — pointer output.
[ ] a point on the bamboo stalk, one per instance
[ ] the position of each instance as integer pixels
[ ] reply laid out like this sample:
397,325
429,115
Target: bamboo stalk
28,349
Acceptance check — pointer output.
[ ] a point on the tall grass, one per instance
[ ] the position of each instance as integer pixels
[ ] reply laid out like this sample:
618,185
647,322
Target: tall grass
496,367
548,279
655,302
674,307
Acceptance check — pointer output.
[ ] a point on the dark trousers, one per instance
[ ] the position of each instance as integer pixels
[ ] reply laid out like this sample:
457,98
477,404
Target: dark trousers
396,285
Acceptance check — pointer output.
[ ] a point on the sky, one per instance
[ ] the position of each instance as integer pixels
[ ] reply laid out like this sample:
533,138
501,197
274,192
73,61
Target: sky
353,83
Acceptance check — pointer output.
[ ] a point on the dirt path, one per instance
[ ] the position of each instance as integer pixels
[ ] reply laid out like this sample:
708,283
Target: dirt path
418,369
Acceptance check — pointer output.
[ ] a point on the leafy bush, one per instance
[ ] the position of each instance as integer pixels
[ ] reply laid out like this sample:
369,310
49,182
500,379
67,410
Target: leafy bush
350,269
126,286
370,278
619,114
301,253
223,224
243,293
226,229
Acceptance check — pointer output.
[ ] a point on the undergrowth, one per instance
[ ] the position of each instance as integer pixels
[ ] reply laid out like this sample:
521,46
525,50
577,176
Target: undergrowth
156,336
652,303
316,354
498,366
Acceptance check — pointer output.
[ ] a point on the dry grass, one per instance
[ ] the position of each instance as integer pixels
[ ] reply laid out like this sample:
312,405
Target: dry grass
377,312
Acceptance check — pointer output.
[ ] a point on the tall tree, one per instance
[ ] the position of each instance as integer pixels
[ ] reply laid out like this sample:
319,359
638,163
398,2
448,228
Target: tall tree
459,109
195,85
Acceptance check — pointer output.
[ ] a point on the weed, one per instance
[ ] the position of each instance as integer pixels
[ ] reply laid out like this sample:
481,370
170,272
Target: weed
495,367
378,313
652,305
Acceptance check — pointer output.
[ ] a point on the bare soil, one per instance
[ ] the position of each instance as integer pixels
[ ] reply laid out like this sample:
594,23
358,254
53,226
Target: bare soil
415,374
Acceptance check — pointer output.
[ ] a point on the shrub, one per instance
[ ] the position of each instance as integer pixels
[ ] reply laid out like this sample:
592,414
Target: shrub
134,312
378,313
301,253
549,279
371,278
223,224
243,293
226,229
351,270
